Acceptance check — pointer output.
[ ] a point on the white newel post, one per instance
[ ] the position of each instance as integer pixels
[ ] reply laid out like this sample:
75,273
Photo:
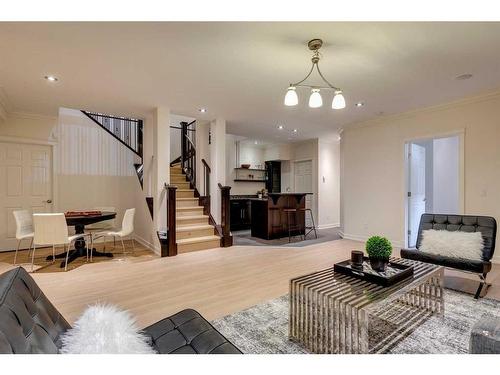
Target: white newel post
161,165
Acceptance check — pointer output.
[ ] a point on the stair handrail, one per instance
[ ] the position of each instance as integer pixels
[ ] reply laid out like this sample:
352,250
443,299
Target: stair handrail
188,154
130,129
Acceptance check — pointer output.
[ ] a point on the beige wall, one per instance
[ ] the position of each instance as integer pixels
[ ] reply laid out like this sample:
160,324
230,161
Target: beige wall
372,182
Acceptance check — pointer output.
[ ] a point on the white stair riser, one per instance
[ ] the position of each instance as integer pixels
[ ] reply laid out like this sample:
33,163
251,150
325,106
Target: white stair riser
203,220
185,194
180,185
195,233
191,212
189,203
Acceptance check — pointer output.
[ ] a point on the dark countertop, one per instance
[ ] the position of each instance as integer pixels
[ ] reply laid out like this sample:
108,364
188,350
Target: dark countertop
242,197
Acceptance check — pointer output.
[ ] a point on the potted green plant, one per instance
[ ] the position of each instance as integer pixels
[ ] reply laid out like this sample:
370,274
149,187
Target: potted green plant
379,250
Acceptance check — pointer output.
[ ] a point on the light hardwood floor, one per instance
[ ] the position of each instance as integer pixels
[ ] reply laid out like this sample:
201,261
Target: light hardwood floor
215,282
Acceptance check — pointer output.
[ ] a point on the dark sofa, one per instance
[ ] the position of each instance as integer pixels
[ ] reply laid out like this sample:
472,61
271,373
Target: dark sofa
466,223
29,323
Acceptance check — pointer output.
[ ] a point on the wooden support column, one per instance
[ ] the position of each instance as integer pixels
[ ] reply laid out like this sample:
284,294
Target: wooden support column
171,223
227,238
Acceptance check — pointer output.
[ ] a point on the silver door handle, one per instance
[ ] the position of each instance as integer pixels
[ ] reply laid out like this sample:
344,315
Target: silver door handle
48,201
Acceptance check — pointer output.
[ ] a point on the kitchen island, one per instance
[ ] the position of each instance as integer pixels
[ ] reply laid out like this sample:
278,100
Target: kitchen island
268,218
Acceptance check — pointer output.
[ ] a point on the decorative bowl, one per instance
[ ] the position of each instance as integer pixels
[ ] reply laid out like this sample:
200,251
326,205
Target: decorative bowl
246,166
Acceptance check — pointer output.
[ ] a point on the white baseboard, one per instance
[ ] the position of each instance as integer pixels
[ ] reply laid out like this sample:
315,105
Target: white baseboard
147,244
363,238
328,226
496,259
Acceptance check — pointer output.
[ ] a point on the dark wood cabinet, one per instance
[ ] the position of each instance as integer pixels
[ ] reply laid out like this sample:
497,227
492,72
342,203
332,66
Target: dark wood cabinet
273,181
240,214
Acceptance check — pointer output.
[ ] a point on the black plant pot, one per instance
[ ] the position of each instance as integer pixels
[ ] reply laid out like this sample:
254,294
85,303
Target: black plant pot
379,265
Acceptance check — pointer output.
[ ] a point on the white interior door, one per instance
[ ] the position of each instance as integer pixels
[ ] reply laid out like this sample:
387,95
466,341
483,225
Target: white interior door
25,183
304,183
416,196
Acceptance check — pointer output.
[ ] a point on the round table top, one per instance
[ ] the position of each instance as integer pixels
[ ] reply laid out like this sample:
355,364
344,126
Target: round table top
89,219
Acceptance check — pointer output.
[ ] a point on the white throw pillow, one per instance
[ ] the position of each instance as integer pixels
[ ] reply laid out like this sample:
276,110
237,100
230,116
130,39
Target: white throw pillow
105,329
465,245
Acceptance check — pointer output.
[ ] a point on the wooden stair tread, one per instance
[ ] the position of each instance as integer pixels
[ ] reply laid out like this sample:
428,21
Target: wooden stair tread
189,208
186,199
198,239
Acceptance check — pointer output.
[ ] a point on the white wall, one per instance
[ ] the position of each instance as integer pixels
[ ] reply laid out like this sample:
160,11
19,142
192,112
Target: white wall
445,175
373,184
249,154
328,184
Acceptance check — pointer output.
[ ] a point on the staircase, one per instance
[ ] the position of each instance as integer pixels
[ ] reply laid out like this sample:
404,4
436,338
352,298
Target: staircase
193,229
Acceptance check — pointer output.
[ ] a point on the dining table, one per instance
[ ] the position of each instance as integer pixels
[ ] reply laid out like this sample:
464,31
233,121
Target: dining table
79,222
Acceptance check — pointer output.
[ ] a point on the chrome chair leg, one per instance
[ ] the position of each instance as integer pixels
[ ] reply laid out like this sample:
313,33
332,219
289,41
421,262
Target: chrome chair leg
67,256
33,258
31,245
53,253
123,246
133,245
15,256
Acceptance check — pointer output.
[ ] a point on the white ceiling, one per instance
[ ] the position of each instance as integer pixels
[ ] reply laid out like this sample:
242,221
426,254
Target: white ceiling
240,71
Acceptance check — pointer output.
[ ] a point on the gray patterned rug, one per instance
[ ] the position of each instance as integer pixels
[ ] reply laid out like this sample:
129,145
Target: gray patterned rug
263,328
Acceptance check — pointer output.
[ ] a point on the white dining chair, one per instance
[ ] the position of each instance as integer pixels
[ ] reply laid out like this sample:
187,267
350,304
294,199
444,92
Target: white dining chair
24,229
126,230
96,229
51,229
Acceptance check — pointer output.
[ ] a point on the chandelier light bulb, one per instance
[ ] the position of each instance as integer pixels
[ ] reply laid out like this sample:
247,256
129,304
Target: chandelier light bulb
291,97
338,101
315,100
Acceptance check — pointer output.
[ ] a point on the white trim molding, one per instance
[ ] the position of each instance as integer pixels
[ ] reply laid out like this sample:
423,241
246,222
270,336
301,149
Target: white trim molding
363,238
328,226
147,244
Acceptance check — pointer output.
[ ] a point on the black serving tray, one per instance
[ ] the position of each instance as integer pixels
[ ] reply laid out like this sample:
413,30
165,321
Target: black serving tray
394,273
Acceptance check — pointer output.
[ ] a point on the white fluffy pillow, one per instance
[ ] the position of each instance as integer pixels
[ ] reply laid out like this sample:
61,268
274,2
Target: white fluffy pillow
465,245
105,329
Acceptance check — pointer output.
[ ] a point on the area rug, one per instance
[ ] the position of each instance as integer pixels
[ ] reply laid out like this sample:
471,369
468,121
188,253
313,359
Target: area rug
263,328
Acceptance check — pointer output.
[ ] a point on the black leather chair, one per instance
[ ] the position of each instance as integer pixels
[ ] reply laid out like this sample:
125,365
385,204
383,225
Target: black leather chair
29,323
466,223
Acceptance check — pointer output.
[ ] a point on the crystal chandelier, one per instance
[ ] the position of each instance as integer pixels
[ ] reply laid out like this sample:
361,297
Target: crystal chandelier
315,100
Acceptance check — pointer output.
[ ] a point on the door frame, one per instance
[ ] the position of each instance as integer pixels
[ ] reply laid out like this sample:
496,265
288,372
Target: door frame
406,176
53,153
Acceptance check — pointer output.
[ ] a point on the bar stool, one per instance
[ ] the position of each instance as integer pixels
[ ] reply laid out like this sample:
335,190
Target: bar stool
307,229
290,213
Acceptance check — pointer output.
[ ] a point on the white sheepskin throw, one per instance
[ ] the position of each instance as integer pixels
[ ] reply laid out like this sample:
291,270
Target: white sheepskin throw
465,245
105,329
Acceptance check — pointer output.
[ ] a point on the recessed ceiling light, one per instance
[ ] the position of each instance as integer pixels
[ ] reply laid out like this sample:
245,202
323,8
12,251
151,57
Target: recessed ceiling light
360,104
51,78
202,110
280,127
256,142
463,77
295,130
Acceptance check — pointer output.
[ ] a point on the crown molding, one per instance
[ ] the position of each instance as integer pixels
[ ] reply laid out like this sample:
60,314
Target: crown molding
431,109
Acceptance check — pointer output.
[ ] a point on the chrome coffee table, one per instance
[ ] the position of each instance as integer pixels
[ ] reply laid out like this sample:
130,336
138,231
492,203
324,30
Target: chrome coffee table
334,313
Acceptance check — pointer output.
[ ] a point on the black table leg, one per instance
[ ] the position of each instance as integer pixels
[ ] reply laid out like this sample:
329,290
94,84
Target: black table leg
80,249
